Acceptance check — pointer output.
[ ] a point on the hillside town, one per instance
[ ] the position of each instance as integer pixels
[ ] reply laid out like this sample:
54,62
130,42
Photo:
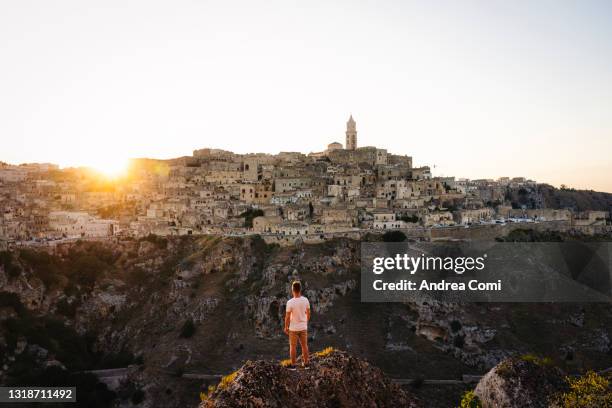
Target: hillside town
286,196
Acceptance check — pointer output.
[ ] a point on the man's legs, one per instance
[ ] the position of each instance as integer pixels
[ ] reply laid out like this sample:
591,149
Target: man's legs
293,339
303,336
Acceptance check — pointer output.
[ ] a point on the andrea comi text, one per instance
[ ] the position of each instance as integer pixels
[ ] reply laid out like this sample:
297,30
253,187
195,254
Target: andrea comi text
424,285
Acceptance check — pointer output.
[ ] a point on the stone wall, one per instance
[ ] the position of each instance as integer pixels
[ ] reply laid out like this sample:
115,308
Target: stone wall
492,231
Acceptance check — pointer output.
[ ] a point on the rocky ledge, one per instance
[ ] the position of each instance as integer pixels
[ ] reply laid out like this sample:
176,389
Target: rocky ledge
334,379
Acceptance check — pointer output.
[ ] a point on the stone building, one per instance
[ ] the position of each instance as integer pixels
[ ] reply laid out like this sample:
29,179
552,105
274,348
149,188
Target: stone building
444,218
591,218
266,223
351,134
465,217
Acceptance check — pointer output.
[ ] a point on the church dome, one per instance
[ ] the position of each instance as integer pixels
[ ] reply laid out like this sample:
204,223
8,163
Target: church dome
334,146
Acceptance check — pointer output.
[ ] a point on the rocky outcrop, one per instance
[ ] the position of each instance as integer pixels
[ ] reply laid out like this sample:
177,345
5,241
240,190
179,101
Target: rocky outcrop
453,330
334,379
520,382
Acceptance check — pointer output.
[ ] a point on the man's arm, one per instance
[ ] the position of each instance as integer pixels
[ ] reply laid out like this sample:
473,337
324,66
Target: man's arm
287,320
308,314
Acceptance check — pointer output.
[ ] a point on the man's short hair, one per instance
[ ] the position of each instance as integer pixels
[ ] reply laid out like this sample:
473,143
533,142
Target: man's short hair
296,286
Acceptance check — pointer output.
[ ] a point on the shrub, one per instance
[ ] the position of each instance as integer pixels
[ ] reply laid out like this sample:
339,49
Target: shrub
325,352
204,396
44,266
137,276
459,341
137,397
209,391
160,242
249,215
470,400
188,329
66,308
227,380
455,326
409,218
394,236
10,299
589,391
86,268
8,264
67,345
541,361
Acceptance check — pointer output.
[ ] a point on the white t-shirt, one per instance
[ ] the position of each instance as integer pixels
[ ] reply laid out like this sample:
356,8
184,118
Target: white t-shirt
298,307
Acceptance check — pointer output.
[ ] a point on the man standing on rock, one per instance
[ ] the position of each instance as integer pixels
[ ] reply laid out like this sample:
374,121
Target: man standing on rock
296,323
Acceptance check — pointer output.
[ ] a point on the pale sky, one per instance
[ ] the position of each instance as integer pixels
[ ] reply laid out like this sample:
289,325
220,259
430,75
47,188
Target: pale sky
481,89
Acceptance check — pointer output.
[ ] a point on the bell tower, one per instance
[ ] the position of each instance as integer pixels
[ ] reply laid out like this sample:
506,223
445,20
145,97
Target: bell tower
351,134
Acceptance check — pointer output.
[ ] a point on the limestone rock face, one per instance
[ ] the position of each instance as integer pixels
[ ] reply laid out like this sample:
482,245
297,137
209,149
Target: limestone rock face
333,380
518,383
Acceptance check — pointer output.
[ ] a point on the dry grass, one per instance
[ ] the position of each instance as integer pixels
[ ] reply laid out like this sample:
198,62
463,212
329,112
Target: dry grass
590,390
325,352
224,383
227,380
544,361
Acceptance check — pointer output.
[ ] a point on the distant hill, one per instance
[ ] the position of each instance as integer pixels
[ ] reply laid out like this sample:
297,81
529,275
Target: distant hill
579,200
547,196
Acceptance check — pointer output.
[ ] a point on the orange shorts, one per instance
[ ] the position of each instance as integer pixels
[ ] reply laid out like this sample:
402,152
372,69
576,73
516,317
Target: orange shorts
294,336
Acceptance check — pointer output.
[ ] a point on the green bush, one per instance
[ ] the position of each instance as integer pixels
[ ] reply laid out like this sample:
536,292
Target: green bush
87,262
409,218
459,341
160,242
68,346
470,400
137,397
394,236
455,326
66,308
44,266
249,215
541,361
10,267
10,299
188,329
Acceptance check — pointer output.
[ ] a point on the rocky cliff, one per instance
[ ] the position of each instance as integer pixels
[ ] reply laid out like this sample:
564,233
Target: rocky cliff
175,306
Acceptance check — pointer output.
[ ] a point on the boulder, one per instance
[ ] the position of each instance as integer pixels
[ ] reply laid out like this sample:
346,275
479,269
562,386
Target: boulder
519,382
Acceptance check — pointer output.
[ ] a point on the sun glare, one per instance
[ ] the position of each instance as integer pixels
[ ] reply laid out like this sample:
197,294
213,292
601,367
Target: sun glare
112,167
